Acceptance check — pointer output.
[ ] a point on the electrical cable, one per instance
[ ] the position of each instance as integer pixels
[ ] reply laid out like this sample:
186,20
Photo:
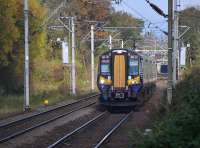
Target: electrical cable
144,18
157,9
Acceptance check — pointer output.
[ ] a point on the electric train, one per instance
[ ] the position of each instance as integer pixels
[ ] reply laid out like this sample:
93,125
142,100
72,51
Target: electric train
123,76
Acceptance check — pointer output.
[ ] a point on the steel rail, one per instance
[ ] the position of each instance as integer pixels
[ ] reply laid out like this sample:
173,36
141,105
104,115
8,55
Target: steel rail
112,130
41,124
48,111
61,140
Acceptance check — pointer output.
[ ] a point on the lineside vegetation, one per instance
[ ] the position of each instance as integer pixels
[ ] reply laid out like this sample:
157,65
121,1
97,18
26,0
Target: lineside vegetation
47,76
180,127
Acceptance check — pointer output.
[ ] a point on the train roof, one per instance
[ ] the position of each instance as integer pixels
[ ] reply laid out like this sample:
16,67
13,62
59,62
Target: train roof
120,50
128,50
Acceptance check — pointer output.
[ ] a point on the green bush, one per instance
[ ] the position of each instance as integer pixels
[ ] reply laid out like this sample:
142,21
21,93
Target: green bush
180,128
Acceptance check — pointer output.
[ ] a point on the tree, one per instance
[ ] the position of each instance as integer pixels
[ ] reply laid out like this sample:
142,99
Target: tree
119,18
9,33
190,17
12,41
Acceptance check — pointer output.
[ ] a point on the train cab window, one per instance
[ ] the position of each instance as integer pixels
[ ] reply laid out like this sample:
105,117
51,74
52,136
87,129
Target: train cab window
105,69
133,67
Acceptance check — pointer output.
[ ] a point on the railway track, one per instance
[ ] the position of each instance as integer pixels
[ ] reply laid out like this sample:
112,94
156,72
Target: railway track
115,127
93,133
16,128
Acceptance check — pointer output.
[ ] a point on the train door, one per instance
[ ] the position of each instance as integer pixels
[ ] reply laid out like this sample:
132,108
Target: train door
119,71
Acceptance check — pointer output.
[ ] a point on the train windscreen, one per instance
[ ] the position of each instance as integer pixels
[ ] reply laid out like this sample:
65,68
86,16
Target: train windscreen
133,67
105,69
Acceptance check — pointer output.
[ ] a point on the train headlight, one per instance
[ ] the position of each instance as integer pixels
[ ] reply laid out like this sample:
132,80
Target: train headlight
105,81
133,81
129,77
102,81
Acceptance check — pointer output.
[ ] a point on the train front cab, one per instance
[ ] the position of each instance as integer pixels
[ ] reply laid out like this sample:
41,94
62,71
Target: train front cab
119,78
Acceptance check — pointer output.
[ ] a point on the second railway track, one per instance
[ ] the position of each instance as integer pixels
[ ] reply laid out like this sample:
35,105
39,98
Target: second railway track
93,133
16,128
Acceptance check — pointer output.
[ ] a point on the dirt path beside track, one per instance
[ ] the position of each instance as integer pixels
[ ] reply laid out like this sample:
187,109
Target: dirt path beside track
139,120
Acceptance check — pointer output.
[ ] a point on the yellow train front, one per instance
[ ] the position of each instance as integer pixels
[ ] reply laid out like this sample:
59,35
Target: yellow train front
122,75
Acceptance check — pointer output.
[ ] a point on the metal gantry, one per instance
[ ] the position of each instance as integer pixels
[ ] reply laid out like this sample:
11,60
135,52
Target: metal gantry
54,12
71,29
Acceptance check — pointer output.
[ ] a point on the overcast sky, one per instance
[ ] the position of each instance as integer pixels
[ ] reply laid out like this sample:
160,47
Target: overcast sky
140,9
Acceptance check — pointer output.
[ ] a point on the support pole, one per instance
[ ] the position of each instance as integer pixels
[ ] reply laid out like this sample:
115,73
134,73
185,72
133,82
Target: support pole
92,57
26,66
170,50
70,54
110,42
122,46
73,58
176,40
134,44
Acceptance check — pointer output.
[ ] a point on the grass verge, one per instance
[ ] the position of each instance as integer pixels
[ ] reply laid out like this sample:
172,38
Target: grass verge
13,104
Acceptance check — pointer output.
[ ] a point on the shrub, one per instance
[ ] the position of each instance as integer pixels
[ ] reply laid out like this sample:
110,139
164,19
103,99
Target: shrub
180,128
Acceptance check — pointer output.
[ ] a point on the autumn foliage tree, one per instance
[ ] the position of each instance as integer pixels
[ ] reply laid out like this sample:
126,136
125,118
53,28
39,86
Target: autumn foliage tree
123,19
9,33
46,69
190,17
12,41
